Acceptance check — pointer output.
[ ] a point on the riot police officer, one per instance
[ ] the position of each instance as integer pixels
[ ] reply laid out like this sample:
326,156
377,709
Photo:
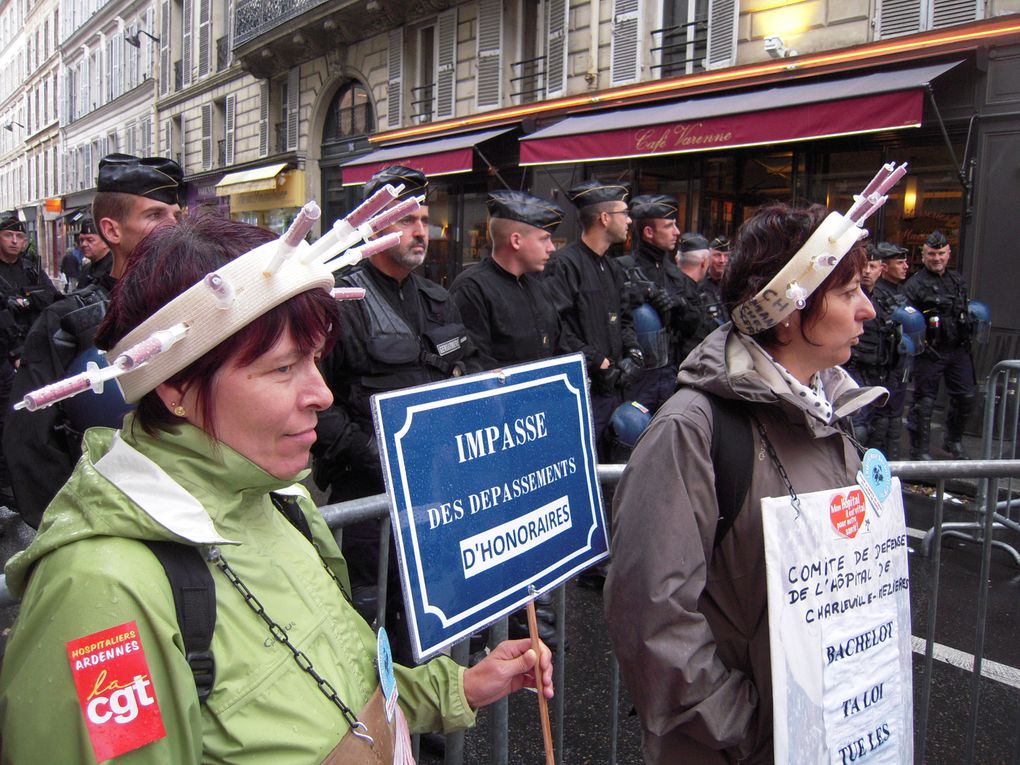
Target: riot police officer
653,279
407,331
710,287
887,423
941,295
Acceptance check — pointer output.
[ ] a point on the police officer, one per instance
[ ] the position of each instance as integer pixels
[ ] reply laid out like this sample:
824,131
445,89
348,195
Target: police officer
653,279
941,295
134,195
96,252
874,354
693,259
887,422
504,302
587,288
25,289
710,287
407,331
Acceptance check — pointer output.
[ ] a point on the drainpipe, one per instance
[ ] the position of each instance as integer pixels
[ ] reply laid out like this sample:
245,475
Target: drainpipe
592,75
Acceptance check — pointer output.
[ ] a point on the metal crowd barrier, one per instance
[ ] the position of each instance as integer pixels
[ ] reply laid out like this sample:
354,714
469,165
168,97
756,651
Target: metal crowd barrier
988,471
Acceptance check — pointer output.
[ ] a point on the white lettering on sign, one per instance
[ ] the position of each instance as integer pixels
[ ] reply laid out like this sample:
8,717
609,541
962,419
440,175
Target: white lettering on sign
495,438
508,540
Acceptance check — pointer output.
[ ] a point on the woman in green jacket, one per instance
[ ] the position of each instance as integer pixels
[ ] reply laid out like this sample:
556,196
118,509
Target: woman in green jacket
95,667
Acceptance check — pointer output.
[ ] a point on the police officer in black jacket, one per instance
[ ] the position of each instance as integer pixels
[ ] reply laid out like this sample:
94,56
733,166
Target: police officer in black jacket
407,331
887,422
941,295
588,288
504,302
654,279
134,195
710,287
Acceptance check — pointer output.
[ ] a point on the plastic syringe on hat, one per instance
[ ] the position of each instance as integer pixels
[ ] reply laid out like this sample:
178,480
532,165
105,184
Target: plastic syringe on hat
95,377
367,250
355,226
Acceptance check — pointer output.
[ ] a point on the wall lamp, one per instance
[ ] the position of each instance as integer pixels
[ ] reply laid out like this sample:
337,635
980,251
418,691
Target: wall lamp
9,125
776,48
134,40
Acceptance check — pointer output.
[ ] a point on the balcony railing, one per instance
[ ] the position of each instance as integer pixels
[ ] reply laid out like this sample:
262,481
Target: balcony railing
178,75
682,48
281,137
423,103
256,17
222,53
528,82
221,153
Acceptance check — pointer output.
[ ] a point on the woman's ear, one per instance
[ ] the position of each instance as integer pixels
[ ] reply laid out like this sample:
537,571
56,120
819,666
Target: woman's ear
171,396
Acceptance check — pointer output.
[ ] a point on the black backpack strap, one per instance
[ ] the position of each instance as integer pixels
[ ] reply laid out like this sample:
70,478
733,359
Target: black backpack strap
195,600
733,450
291,510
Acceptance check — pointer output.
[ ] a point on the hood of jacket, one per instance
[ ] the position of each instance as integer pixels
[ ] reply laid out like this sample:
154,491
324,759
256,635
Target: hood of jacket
179,486
728,366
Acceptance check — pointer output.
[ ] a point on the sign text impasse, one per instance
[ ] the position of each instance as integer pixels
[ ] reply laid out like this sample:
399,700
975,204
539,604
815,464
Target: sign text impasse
493,488
839,627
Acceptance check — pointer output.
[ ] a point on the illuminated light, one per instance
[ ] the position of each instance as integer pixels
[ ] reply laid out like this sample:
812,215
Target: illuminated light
785,20
864,53
910,197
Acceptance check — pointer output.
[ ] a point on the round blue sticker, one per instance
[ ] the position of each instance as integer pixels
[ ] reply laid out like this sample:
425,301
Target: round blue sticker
875,469
384,660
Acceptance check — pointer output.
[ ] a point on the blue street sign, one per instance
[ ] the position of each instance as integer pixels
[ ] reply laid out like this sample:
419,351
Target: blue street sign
493,488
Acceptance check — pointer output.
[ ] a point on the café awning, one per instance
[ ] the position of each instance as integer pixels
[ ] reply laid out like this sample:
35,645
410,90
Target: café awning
247,181
442,156
886,100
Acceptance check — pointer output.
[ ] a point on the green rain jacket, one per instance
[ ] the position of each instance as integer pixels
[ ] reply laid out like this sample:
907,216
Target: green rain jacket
86,572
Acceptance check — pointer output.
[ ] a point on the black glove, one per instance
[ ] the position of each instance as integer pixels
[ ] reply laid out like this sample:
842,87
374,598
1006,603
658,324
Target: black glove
630,371
606,380
637,354
16,303
661,300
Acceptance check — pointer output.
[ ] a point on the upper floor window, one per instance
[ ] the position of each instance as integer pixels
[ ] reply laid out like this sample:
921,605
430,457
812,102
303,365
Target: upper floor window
682,42
350,114
901,17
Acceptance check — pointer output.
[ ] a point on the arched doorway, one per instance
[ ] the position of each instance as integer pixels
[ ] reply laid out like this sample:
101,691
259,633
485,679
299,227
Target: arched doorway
350,119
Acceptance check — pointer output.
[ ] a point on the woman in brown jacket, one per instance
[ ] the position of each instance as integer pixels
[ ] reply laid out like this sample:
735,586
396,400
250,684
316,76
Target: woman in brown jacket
687,613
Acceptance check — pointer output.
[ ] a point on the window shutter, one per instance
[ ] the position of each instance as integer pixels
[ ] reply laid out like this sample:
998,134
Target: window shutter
446,64
264,118
556,52
293,102
204,37
129,139
207,154
490,60
898,17
166,72
947,13
145,60
229,31
394,94
230,114
168,135
186,42
146,138
117,86
722,33
625,54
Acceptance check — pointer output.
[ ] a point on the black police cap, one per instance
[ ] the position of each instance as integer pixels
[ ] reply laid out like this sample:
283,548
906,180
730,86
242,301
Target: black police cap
890,251
654,206
516,205
9,221
156,178
871,251
936,240
415,182
594,192
87,226
690,242
721,243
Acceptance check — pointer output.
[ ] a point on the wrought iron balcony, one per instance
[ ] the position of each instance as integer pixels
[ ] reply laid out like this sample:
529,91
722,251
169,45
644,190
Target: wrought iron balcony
423,103
281,137
221,153
682,48
256,17
528,84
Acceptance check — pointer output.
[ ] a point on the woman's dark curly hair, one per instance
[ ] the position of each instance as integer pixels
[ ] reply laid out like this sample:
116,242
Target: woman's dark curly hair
765,243
169,261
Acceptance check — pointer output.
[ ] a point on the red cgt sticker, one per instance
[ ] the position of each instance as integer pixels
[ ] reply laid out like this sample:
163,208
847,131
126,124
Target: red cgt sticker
115,691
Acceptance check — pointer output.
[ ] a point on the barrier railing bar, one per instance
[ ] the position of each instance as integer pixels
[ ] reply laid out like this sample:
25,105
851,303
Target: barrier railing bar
933,603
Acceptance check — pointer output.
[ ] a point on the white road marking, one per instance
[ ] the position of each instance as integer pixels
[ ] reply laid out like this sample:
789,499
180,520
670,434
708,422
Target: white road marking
993,670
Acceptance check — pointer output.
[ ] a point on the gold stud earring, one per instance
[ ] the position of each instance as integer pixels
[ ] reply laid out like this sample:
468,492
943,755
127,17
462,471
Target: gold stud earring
786,324
178,410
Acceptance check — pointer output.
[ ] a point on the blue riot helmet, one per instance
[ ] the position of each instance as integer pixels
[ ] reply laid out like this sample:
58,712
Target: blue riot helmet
651,335
629,421
913,334
980,321
91,409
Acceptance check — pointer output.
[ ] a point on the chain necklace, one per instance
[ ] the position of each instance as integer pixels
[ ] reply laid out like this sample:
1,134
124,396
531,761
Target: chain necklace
766,445
358,728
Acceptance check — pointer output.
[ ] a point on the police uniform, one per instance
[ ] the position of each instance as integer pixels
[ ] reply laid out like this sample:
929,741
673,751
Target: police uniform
510,319
876,361
711,289
43,446
942,298
587,290
706,321
653,278
403,333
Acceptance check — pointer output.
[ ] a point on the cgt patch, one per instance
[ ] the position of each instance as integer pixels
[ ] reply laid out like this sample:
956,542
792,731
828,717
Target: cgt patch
115,691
